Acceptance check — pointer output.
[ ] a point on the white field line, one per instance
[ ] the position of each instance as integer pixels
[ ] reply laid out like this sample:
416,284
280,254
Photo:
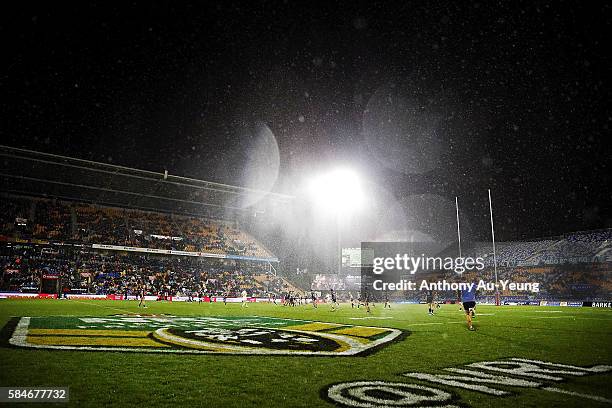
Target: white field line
548,311
575,317
578,394
432,323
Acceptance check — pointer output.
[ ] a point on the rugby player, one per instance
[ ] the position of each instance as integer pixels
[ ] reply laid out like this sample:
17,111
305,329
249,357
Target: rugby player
142,297
430,301
334,300
244,298
367,303
387,303
468,299
314,299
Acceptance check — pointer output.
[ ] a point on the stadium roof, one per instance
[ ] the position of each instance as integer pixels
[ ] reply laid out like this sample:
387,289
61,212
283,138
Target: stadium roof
48,175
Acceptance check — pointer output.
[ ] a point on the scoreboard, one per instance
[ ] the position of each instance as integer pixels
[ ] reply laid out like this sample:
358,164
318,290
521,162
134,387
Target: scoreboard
352,257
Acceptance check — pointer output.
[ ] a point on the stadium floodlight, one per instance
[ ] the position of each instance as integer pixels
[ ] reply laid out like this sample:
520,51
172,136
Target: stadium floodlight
338,191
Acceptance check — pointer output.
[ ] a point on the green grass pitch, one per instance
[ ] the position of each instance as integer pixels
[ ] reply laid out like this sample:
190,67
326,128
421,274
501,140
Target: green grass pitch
576,336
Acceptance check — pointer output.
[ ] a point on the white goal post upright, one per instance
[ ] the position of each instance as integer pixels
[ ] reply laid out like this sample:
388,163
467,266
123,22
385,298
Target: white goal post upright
494,254
458,229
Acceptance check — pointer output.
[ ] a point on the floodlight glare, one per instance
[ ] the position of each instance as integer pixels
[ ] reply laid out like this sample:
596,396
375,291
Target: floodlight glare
339,190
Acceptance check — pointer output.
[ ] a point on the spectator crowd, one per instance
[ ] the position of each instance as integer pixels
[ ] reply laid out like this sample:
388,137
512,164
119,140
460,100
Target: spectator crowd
84,270
25,218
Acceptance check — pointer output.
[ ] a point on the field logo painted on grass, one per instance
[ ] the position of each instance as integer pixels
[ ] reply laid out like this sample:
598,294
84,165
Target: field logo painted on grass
488,377
196,335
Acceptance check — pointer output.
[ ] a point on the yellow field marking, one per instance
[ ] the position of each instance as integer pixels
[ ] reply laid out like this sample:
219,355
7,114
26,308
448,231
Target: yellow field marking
343,346
94,341
82,332
361,340
315,326
186,344
360,331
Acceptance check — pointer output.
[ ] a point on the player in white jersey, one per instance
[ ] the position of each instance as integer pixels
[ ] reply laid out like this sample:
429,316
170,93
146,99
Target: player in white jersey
244,299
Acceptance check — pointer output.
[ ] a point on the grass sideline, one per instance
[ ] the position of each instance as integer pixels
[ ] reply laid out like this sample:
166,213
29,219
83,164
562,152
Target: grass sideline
578,336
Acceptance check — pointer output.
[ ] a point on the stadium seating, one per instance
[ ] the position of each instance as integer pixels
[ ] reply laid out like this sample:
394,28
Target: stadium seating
580,247
110,272
55,236
576,266
61,221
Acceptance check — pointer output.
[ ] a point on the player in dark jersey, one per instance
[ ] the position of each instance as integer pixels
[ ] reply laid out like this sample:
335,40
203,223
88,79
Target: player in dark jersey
313,297
371,301
334,300
468,299
430,301
387,303
367,302
142,297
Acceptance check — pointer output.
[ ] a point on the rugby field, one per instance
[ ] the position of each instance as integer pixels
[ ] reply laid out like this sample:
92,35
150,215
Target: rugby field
111,353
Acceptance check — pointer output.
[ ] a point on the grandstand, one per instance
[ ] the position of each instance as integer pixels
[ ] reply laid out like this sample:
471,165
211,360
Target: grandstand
572,267
84,225
73,222
577,247
83,270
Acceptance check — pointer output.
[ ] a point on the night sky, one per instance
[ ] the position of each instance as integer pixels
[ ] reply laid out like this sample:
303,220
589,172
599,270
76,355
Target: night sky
422,97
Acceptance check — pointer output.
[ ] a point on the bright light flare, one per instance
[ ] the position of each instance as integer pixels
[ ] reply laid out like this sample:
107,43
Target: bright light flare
339,191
